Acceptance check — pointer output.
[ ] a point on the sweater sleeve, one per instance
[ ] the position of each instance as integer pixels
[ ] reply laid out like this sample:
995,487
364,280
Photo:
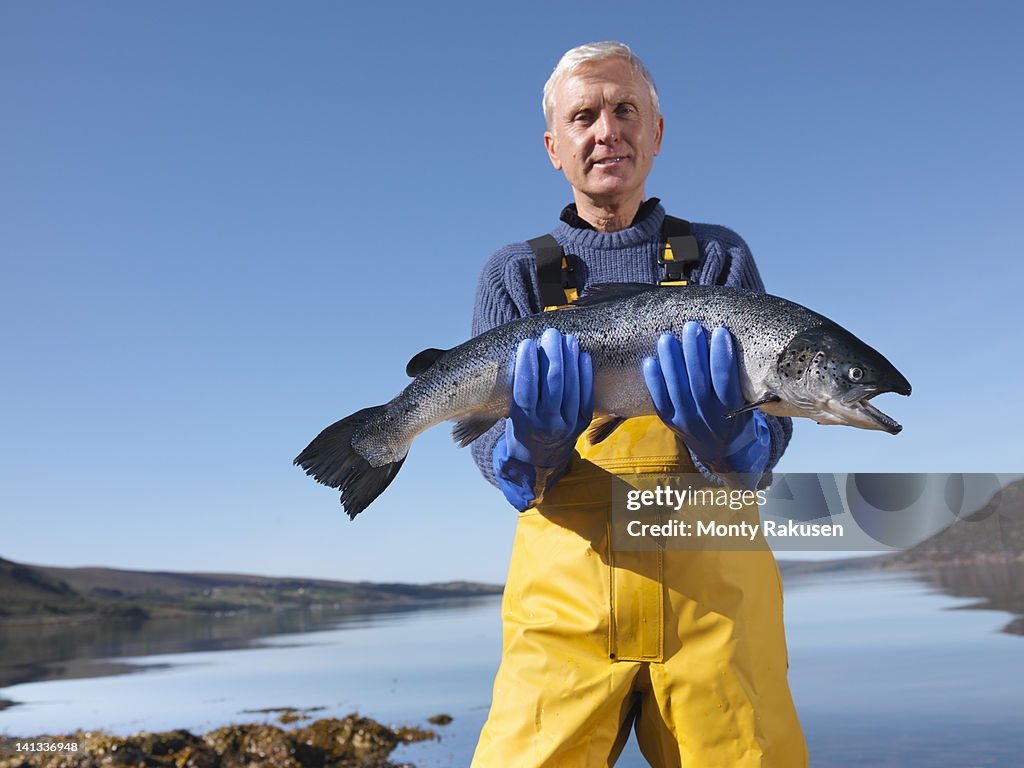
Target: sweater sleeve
502,294
728,261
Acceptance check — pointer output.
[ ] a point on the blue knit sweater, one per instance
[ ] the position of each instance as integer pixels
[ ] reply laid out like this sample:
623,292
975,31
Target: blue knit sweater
508,289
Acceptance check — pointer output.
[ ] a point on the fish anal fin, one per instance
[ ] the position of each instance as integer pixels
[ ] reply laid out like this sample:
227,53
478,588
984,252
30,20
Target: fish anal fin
771,397
468,429
602,427
421,361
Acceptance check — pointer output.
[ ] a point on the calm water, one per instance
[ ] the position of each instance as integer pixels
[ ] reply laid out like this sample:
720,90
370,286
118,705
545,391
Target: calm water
884,669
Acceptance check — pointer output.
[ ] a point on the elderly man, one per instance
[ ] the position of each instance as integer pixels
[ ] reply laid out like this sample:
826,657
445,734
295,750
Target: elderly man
686,647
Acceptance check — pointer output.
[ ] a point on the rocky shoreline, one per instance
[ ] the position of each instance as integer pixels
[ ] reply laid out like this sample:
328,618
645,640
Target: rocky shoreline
348,742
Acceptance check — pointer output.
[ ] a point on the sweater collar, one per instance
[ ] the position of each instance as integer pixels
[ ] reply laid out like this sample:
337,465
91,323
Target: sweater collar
643,229
571,216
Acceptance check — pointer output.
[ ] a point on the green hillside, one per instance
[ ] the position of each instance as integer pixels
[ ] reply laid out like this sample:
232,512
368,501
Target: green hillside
28,591
45,593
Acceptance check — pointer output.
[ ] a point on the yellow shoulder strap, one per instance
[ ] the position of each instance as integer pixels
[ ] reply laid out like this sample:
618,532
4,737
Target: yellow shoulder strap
556,277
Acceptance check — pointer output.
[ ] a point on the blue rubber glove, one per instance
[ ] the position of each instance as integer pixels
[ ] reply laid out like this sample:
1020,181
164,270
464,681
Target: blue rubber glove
693,388
552,404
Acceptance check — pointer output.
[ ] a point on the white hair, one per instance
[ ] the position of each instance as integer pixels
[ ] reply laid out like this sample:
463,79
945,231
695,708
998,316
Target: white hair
584,54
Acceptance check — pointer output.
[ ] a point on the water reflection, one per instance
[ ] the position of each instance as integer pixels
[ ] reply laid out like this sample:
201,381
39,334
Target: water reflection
997,586
33,653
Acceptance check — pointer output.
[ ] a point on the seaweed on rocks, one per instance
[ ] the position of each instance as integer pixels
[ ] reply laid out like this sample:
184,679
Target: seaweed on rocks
348,742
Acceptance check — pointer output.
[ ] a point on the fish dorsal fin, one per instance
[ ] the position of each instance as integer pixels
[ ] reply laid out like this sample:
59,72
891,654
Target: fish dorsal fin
423,360
601,292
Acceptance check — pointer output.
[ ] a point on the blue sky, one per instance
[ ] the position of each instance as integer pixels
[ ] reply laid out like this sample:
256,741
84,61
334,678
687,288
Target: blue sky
226,225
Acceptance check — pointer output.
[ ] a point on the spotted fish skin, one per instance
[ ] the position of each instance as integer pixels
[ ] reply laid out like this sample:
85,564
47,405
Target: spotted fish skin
792,362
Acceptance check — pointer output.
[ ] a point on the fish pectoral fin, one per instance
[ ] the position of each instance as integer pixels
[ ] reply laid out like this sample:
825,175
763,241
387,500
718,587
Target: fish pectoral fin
421,361
771,397
466,430
602,427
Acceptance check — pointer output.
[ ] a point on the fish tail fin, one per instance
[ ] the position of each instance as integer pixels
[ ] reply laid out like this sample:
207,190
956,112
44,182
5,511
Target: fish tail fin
332,460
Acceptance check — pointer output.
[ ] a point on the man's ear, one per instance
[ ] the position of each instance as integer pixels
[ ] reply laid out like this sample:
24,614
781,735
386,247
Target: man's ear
549,145
659,131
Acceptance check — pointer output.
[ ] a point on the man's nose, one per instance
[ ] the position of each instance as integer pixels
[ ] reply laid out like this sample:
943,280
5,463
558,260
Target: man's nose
606,127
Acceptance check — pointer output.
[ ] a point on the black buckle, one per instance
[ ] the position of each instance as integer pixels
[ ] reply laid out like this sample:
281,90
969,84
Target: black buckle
685,257
672,271
568,275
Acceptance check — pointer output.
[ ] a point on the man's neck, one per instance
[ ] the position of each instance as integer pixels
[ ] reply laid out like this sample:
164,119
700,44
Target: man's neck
608,217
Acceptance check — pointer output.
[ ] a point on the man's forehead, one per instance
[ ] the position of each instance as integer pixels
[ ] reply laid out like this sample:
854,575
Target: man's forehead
613,78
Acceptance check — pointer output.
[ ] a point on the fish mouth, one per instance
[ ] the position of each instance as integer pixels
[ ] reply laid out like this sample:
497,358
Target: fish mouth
884,421
859,398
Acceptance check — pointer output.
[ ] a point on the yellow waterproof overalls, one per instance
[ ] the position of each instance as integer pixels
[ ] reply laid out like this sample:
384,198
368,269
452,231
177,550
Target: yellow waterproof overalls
688,647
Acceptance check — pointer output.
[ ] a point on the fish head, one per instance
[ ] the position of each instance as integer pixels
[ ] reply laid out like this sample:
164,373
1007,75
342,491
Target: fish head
827,374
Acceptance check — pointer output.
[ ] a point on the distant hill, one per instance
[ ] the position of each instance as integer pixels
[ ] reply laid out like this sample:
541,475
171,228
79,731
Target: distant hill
29,593
995,533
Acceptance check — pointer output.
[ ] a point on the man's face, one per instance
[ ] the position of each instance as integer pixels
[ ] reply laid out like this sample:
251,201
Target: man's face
604,132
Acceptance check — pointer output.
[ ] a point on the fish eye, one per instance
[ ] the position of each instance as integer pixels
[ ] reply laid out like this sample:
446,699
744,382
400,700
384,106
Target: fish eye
856,374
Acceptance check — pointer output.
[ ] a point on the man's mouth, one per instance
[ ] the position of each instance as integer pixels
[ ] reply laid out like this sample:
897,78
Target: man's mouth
609,161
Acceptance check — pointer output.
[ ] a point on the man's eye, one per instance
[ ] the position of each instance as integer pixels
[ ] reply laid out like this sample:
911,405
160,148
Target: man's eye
627,109
582,117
